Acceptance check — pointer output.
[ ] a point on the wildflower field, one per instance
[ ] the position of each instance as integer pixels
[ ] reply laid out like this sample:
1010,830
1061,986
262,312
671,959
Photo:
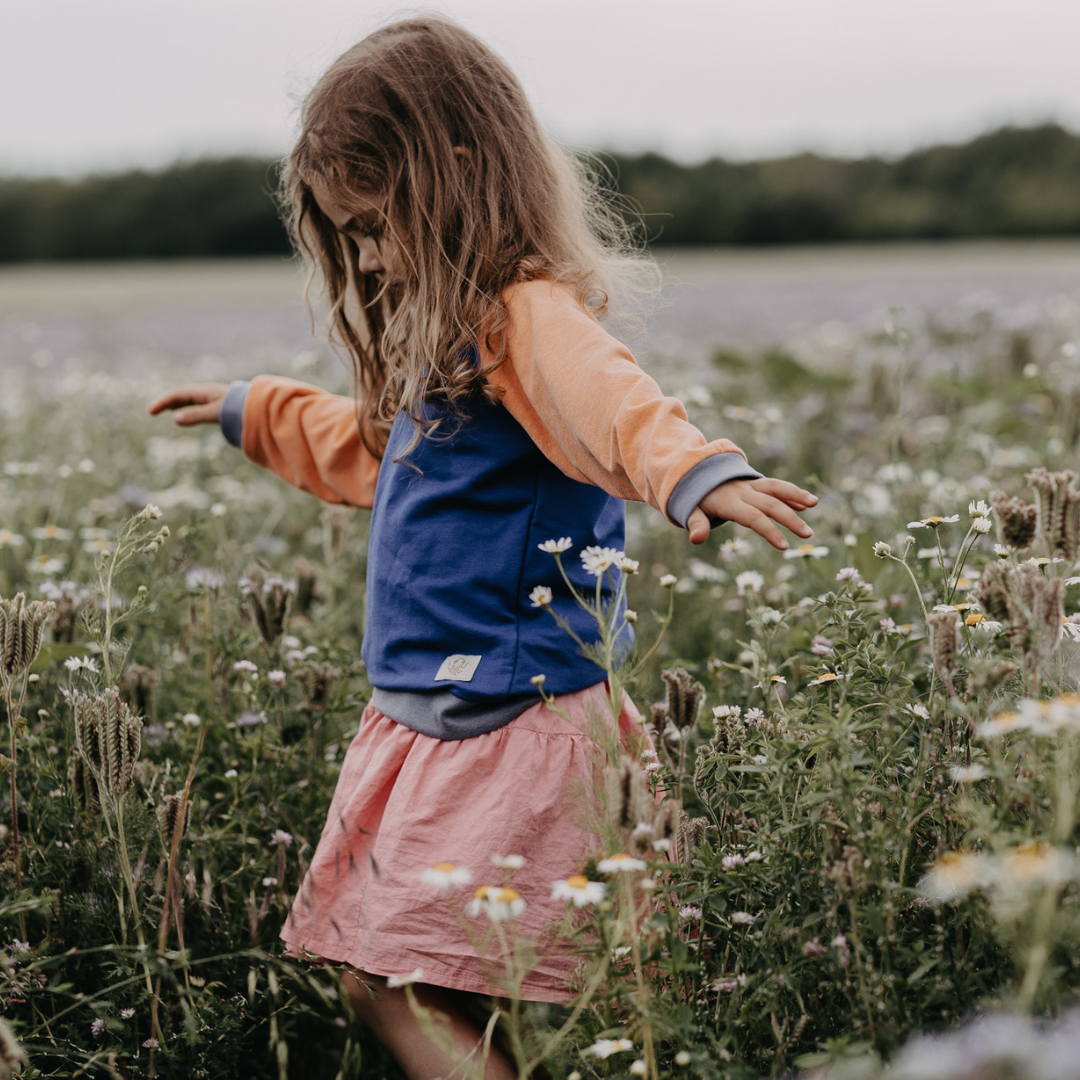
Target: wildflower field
858,824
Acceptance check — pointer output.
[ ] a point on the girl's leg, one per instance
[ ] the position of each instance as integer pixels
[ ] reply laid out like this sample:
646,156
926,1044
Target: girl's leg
401,1032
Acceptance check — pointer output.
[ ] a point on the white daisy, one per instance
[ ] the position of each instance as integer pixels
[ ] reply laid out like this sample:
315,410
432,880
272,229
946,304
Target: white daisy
621,863
443,875
598,559
508,862
579,890
541,596
933,521
51,532
556,547
395,982
496,903
604,1048
806,551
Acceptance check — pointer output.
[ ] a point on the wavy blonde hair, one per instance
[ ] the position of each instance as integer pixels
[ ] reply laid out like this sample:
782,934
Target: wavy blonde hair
474,196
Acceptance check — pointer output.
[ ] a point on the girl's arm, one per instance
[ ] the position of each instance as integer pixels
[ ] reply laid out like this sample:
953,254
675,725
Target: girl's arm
307,436
596,415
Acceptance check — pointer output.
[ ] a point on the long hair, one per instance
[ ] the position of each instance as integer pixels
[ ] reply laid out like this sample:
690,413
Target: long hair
474,196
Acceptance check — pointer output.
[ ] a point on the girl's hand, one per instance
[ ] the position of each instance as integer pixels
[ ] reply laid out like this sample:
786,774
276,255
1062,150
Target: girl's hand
200,403
755,504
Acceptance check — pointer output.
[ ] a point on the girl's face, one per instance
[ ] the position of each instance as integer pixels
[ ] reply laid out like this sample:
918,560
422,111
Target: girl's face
361,221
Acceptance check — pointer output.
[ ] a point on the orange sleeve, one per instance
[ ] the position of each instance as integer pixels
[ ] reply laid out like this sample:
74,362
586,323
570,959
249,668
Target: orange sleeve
310,438
591,410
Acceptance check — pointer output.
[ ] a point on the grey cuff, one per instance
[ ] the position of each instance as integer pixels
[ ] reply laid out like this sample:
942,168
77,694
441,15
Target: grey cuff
702,478
231,418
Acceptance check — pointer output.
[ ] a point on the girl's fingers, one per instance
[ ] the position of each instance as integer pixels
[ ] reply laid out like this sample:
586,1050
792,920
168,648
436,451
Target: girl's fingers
780,511
697,525
788,493
198,414
193,394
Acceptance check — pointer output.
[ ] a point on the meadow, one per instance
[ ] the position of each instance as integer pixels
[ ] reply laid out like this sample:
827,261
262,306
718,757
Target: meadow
858,828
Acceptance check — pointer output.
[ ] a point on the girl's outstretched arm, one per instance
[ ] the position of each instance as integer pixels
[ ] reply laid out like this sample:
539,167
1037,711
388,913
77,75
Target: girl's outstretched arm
303,434
598,417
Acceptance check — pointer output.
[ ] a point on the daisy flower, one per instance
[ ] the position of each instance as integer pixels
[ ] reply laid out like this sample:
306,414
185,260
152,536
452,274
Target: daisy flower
620,863
933,521
806,551
540,596
556,547
579,890
246,666
604,1048
276,678
11,539
444,875
395,982
508,862
749,581
598,559
667,580
81,663
496,903
51,532
42,564
627,566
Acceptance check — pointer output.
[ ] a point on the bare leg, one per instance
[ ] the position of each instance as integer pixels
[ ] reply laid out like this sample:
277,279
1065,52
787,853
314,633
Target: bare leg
401,1032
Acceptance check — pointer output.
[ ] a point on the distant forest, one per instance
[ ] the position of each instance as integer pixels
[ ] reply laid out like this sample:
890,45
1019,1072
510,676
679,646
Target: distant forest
1015,182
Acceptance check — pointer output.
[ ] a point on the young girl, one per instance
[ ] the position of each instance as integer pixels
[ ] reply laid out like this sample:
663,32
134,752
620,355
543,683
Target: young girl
466,266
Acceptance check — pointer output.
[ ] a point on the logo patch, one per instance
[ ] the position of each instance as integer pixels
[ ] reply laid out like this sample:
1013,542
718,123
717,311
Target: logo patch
457,668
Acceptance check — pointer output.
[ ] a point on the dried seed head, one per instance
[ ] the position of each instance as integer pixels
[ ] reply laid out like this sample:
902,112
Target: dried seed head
1019,521
107,734
691,836
270,600
83,783
1052,497
992,593
319,681
137,688
684,697
168,812
21,628
944,627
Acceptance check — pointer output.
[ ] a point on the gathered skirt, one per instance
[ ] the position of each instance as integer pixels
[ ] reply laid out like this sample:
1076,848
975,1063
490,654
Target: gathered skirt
406,802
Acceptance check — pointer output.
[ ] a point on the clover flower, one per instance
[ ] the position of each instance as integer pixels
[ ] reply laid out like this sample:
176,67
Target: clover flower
556,547
848,573
191,719
882,550
743,918
730,862
497,903
821,646
282,837
541,596
98,1027
246,666
578,890
276,679
444,875
689,912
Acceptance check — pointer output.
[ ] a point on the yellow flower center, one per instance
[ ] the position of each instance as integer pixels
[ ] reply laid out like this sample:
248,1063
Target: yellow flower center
445,867
936,520
577,881
621,856
507,896
481,892
974,619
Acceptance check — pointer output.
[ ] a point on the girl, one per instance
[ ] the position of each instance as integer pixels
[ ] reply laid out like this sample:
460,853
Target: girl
466,264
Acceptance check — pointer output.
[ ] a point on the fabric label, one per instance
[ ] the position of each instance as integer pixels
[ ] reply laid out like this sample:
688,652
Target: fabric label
458,668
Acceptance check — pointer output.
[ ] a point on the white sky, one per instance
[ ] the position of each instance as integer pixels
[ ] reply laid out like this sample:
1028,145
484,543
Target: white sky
106,84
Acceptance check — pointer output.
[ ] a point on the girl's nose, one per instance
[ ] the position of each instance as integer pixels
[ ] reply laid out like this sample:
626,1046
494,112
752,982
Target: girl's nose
369,260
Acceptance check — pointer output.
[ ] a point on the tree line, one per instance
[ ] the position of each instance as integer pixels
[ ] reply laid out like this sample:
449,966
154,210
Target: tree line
1013,182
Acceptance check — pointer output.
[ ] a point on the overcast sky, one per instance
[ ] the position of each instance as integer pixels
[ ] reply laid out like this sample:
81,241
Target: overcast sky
107,84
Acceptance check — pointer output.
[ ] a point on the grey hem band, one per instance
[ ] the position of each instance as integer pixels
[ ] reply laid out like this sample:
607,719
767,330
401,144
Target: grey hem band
443,715
231,418
702,478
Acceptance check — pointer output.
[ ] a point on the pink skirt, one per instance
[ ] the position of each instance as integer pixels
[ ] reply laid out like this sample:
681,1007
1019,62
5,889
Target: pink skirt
405,802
